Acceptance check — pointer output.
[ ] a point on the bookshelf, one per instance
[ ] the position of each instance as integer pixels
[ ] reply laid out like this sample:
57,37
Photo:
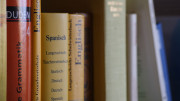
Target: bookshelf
96,8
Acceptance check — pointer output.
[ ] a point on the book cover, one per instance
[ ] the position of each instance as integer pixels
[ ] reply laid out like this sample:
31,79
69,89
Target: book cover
150,79
55,55
115,50
36,50
3,50
164,61
76,59
132,69
19,50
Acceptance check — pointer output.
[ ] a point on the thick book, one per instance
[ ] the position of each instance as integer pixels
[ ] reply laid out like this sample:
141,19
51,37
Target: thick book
132,61
164,62
150,78
55,55
36,50
88,58
115,50
76,58
3,50
18,50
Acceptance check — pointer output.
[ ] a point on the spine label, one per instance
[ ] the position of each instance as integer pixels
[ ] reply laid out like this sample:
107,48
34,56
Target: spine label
17,14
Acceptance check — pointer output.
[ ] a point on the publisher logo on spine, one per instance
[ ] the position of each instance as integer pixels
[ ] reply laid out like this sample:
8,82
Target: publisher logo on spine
18,14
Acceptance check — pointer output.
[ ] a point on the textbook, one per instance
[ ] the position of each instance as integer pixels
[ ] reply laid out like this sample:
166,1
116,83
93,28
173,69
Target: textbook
76,57
36,50
19,50
55,55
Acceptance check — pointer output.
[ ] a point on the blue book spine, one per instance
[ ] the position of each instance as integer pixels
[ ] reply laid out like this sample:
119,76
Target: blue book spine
164,62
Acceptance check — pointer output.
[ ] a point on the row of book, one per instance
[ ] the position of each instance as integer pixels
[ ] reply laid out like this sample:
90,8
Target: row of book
53,57
157,45
151,72
49,55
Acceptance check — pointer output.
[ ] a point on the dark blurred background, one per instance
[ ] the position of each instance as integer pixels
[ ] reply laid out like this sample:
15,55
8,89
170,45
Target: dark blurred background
168,13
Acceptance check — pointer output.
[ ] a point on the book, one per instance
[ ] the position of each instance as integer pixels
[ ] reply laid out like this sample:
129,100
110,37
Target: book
88,58
55,55
36,50
18,50
115,50
76,59
150,78
3,50
132,69
171,30
164,62
158,47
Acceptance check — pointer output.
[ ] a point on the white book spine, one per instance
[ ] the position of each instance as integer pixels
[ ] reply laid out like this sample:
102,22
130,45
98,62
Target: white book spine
132,57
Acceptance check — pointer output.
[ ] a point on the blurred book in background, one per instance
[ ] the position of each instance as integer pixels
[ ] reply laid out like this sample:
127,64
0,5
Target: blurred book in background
163,60
171,29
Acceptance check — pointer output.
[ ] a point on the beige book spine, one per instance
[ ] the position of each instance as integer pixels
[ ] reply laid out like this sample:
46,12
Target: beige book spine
3,50
55,55
76,60
36,50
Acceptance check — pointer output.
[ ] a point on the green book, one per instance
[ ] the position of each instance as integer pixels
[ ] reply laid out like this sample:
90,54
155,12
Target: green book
3,50
115,50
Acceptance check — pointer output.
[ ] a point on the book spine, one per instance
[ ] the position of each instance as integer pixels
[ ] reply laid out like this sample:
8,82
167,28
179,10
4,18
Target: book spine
164,62
76,66
55,55
132,57
161,76
36,50
3,50
88,58
115,50
19,50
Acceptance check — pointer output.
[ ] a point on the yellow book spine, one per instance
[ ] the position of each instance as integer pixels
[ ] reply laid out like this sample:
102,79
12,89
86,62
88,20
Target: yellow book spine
3,51
76,67
55,54
36,50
